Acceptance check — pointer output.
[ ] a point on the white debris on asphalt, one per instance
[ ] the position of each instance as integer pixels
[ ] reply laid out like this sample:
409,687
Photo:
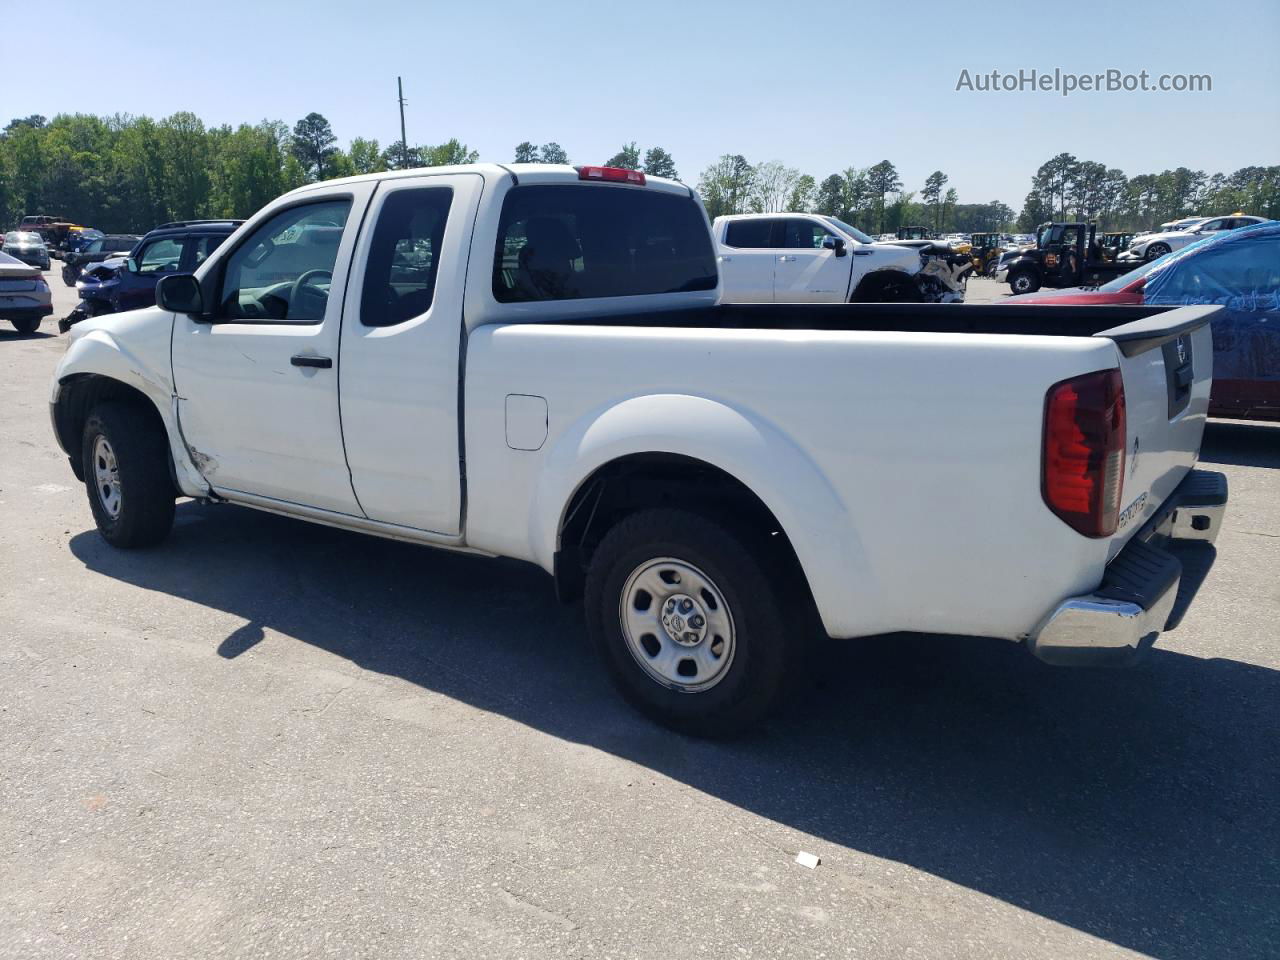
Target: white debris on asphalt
807,860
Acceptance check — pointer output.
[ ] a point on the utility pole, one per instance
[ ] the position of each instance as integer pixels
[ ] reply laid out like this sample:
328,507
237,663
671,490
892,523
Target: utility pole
404,144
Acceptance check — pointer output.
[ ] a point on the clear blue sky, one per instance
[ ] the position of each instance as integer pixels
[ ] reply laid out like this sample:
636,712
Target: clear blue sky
818,85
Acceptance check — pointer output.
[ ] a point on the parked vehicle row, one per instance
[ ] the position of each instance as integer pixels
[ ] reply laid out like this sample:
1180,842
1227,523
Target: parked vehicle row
548,346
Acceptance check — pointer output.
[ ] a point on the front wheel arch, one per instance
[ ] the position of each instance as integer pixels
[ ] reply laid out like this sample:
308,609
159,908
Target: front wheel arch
78,395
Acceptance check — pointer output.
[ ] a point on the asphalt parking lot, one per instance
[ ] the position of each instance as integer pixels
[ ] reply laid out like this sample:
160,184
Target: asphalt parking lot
267,738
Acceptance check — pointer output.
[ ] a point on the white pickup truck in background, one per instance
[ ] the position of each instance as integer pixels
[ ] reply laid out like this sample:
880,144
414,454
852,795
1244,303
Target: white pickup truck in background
532,361
808,258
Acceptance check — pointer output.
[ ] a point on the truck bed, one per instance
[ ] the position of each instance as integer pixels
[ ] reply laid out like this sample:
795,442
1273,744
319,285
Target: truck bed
1031,320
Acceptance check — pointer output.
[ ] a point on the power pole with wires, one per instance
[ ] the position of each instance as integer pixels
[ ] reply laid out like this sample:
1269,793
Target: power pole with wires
404,144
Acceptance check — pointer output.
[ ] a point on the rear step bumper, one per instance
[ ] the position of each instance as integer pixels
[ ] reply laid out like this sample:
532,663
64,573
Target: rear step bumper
1135,600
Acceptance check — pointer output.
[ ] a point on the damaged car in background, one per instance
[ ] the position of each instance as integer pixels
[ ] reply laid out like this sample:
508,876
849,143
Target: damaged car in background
808,258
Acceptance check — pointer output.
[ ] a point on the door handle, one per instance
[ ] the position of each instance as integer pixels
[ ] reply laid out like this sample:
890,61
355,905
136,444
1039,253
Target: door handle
785,259
302,361
861,252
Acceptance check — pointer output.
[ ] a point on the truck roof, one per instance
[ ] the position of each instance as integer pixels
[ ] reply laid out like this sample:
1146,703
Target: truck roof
523,172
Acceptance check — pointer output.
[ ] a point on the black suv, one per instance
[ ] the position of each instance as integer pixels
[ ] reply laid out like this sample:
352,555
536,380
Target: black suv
178,247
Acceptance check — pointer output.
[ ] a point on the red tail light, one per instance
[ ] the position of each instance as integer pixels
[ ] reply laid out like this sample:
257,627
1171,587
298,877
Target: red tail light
1084,448
612,175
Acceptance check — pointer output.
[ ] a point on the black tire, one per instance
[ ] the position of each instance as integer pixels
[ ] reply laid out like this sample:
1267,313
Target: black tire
144,514
752,588
68,275
1155,250
1024,281
26,325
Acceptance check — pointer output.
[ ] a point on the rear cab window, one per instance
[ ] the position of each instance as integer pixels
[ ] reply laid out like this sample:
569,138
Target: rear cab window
579,241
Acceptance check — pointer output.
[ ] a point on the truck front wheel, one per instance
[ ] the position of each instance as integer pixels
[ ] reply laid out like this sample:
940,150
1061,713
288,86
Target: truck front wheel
690,622
126,473
1024,281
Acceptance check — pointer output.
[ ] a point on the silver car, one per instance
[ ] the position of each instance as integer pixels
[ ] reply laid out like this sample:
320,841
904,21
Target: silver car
25,299
28,247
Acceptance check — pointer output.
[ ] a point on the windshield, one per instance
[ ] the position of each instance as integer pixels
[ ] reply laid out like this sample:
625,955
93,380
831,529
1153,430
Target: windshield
849,229
23,237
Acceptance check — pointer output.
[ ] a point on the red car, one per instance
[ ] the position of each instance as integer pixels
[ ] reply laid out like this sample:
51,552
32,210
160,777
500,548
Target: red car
1239,270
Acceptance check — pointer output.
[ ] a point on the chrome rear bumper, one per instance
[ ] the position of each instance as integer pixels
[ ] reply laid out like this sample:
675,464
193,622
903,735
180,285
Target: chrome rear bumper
1136,598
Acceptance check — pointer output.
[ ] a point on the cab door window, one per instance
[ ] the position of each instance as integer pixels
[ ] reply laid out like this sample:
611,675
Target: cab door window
404,256
283,271
803,235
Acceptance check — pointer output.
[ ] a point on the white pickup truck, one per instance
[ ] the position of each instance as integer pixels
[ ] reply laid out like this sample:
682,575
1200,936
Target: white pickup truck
809,258
531,361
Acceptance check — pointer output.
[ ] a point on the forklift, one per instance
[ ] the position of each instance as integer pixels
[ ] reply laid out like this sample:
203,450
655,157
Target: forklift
914,233
1065,255
985,252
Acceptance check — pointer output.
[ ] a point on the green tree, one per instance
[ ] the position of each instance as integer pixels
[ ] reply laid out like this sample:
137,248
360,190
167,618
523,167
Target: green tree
882,179
35,122
658,163
802,194
771,186
628,157
526,152
829,200
313,144
366,156
725,186
932,194
446,154
553,153
184,153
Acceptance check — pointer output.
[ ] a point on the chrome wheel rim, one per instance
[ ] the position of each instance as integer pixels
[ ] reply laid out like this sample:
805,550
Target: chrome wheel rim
677,625
106,476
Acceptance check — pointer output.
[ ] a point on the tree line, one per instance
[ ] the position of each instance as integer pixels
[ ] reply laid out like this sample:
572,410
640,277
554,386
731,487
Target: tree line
124,173
1067,188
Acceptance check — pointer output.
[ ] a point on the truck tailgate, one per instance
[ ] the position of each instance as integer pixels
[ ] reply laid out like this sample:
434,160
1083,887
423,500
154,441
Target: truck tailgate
1166,362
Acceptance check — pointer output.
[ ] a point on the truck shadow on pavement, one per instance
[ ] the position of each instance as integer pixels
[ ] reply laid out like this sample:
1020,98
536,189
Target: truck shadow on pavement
1138,806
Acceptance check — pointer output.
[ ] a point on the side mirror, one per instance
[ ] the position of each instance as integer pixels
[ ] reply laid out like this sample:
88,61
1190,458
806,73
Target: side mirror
131,265
180,293
834,243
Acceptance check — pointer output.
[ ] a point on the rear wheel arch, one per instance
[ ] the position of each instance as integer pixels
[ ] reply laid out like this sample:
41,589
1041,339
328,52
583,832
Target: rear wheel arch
635,483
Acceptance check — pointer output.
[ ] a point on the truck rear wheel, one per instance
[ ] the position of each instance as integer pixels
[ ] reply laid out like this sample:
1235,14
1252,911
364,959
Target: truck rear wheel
690,622
1024,281
126,473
